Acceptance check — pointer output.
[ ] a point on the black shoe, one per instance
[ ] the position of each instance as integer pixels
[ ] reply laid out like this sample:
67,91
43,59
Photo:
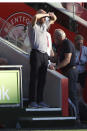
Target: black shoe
42,104
78,122
33,105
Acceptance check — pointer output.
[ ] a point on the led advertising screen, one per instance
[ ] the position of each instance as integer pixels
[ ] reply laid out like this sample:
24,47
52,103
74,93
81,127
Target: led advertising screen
9,87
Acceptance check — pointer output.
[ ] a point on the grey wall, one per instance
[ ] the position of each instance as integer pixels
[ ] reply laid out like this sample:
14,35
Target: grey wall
53,90
16,57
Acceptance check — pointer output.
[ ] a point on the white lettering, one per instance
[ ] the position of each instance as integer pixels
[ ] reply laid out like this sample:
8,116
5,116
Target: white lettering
16,19
20,18
4,93
12,22
24,19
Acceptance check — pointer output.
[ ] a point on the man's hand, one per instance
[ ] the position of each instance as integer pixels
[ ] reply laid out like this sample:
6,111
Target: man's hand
51,67
53,17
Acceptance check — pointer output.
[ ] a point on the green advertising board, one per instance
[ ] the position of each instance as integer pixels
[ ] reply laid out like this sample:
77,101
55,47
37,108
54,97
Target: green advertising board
9,87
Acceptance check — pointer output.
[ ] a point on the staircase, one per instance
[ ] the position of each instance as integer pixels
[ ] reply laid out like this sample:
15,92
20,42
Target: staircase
44,118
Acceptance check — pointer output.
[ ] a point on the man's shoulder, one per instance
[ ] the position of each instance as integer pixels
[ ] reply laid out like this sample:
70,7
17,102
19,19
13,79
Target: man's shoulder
68,42
84,48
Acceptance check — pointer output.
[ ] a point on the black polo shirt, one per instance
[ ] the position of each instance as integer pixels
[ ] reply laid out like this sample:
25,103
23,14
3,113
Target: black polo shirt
67,47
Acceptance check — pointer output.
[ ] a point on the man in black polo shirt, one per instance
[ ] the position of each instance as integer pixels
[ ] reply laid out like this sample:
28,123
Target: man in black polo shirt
66,63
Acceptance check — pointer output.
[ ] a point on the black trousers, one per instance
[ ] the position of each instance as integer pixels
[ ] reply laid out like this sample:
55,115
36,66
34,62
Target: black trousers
82,78
38,71
72,74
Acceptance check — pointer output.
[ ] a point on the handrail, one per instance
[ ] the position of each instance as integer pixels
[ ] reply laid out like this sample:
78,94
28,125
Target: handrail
78,10
59,7
13,46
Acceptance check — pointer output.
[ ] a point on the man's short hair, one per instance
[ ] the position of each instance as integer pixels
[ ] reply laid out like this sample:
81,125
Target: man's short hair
79,37
41,11
60,32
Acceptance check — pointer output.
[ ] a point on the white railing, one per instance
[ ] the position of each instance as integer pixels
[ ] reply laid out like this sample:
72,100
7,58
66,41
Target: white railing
16,35
71,13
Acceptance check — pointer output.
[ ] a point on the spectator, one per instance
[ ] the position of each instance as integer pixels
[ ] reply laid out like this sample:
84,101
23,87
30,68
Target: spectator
38,57
81,61
66,62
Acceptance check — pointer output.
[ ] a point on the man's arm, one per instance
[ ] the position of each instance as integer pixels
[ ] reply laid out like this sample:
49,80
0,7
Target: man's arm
52,53
37,17
66,61
53,17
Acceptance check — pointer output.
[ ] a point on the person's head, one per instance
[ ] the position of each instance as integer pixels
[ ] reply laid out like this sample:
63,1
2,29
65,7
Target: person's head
43,19
59,36
78,41
41,11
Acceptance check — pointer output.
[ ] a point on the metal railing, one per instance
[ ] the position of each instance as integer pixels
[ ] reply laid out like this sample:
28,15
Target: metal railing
76,9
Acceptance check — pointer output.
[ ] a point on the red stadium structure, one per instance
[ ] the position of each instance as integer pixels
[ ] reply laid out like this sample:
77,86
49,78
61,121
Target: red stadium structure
15,46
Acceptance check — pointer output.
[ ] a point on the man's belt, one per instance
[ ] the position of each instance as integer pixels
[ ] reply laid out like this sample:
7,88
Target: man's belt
39,51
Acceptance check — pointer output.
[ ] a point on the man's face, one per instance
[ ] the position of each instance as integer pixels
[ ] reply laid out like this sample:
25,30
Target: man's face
78,44
57,39
42,20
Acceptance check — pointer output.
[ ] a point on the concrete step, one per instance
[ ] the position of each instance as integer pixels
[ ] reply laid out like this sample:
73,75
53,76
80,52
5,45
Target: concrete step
43,111
46,122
